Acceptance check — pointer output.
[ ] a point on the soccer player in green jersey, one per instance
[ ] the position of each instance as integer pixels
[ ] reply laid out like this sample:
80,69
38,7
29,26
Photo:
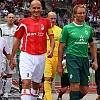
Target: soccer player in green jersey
76,36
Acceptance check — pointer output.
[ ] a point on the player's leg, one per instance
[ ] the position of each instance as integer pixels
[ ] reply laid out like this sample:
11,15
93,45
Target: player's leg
9,74
84,78
49,73
48,79
64,85
37,76
41,86
8,82
72,63
26,70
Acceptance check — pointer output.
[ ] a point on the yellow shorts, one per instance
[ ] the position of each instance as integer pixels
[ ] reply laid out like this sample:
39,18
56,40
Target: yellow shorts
50,67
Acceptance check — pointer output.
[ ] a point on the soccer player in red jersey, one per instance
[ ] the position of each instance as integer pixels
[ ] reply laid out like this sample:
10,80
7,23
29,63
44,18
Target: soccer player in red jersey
32,31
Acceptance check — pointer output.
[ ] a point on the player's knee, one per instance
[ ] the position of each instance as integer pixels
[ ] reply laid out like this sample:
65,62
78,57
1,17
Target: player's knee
26,84
48,79
74,86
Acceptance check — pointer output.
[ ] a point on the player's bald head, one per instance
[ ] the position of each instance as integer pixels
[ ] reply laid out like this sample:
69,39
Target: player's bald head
52,17
51,14
35,2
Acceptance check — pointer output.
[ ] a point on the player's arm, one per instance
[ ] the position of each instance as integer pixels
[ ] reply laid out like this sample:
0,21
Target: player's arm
60,56
14,51
62,44
94,55
93,51
52,45
15,47
18,34
51,37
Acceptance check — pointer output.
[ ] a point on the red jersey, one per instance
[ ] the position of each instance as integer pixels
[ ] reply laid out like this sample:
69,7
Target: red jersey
33,33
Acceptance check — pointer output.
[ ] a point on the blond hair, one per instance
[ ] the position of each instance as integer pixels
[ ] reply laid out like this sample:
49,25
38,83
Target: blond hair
76,7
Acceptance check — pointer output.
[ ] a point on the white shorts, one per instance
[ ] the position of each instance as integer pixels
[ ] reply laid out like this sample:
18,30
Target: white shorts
32,66
6,68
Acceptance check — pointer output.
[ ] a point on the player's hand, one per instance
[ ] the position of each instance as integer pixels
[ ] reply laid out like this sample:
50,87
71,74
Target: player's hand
50,53
94,65
12,64
60,69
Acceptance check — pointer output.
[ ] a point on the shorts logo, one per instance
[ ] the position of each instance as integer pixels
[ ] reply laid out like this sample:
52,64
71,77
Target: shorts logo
27,74
71,76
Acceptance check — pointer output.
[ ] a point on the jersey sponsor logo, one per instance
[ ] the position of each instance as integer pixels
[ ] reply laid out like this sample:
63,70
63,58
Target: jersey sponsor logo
40,34
31,34
42,27
81,40
7,35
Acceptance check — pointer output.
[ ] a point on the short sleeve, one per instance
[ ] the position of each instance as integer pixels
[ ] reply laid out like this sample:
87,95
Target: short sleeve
20,30
91,33
64,35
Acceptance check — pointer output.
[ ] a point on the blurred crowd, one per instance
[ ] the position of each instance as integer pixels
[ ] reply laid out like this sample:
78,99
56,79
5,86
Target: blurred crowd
21,10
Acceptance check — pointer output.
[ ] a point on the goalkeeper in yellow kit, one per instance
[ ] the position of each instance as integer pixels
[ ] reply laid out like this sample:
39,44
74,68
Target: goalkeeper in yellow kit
51,63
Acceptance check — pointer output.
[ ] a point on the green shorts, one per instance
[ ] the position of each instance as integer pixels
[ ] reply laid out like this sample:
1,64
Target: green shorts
78,69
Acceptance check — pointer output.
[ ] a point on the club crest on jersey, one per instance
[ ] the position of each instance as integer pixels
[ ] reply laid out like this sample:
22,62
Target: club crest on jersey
42,27
86,32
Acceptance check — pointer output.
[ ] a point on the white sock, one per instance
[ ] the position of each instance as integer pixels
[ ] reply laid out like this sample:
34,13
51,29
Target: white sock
8,84
26,94
34,94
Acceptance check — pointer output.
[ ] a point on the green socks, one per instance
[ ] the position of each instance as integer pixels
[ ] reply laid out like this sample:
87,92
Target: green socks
80,95
74,95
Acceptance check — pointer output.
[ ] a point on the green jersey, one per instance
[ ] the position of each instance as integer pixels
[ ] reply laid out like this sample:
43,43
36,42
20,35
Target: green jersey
76,38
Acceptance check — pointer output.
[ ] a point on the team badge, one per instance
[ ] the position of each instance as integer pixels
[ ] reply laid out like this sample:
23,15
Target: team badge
42,27
71,76
86,32
57,33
